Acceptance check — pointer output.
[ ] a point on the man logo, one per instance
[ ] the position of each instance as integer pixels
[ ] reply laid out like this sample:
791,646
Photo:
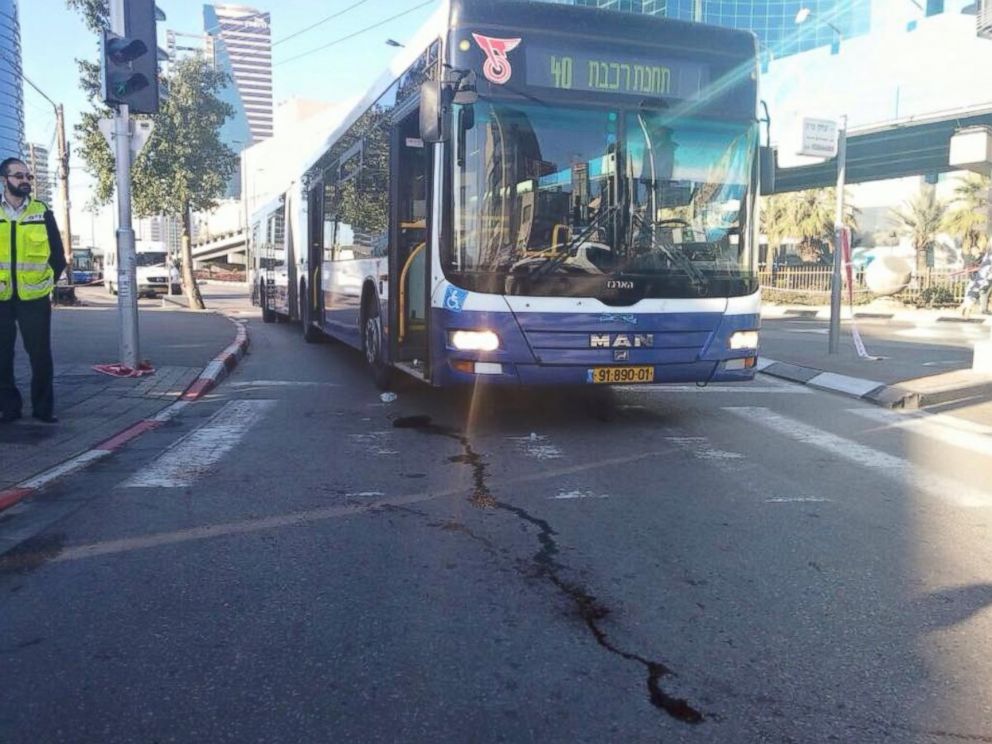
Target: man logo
621,340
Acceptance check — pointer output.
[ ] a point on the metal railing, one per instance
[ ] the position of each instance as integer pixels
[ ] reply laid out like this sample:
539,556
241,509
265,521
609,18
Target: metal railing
939,287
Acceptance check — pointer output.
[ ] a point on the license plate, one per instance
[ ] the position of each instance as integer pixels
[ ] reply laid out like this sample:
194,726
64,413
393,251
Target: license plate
620,375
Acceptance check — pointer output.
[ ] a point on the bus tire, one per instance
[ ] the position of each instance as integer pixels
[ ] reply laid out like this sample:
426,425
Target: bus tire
372,346
268,315
310,333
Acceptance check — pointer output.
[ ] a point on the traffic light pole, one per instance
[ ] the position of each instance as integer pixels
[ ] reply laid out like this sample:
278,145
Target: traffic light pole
127,296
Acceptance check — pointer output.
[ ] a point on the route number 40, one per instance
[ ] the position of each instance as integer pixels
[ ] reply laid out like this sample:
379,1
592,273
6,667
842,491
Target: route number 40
561,71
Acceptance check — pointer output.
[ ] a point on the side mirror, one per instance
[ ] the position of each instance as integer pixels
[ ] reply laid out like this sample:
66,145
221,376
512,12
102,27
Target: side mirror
766,167
465,91
430,112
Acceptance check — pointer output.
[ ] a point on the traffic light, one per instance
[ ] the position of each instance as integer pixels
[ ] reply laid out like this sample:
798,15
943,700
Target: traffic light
130,62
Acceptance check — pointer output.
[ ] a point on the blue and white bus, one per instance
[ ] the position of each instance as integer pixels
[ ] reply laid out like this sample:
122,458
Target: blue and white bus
538,194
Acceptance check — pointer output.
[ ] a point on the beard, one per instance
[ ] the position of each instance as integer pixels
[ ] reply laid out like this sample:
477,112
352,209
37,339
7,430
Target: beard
23,190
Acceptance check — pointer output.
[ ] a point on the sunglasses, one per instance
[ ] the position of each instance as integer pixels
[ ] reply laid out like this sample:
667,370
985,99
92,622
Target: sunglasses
21,176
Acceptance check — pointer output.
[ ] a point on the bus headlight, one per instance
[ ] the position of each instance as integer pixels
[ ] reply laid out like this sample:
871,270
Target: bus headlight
473,340
744,340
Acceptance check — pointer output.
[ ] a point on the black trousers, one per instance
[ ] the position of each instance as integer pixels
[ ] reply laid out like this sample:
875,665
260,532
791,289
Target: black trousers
35,320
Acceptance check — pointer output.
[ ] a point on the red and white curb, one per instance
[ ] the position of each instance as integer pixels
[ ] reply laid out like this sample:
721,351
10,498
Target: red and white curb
220,367
209,378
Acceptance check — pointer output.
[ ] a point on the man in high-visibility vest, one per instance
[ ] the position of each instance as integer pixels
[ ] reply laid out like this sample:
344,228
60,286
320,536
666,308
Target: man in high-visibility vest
31,261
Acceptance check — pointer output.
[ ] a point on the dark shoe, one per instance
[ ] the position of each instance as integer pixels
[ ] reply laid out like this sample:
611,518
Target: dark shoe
9,418
46,419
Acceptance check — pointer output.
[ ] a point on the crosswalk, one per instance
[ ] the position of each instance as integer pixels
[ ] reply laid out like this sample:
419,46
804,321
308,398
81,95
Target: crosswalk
195,454
907,473
865,448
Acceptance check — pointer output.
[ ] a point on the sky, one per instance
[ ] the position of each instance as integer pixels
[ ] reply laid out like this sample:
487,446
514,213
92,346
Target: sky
53,37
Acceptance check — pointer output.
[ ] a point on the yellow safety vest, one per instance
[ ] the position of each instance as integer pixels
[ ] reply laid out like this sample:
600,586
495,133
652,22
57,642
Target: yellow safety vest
27,239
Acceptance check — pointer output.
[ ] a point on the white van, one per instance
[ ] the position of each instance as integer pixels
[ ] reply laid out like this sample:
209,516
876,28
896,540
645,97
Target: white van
152,273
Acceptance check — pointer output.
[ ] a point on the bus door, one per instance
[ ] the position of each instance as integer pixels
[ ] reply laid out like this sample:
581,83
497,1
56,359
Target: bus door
312,305
409,244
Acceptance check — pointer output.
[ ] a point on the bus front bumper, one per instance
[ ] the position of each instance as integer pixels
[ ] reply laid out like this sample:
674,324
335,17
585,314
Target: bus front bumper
576,350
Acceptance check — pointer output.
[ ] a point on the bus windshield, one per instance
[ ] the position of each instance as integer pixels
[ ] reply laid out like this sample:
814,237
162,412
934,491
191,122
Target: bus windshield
555,201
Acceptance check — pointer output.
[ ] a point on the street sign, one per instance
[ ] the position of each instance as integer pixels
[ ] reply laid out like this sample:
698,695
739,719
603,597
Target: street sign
141,132
819,138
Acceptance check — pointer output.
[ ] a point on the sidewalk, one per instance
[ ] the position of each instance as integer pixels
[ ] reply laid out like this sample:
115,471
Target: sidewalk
93,407
923,357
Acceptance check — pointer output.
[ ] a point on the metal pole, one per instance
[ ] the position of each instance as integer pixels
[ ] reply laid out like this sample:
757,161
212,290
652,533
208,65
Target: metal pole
64,188
835,286
127,298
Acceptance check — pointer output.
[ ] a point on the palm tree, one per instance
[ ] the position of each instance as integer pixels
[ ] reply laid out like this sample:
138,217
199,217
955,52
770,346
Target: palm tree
808,217
967,222
921,218
774,222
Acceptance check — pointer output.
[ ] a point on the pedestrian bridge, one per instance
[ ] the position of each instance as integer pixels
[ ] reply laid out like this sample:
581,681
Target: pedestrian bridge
226,248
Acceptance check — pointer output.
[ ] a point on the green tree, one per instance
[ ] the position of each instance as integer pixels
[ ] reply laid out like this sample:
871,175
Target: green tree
921,219
93,147
185,166
95,13
807,217
967,221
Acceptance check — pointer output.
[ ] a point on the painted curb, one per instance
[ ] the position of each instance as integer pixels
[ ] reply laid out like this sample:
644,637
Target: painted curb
870,391
209,378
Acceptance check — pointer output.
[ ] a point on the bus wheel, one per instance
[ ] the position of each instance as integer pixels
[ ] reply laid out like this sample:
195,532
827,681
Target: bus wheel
372,345
268,316
310,334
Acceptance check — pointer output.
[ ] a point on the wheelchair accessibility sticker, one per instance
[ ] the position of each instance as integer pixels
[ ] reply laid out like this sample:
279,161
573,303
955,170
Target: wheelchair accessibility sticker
454,299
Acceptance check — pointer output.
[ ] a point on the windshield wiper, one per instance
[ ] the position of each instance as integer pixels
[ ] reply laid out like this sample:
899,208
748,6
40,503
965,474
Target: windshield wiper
696,276
570,249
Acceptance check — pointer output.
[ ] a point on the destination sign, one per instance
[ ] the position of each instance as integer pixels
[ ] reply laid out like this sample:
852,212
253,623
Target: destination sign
621,74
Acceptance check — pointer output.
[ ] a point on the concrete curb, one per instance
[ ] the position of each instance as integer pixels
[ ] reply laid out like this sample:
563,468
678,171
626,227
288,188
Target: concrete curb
908,395
209,378
918,317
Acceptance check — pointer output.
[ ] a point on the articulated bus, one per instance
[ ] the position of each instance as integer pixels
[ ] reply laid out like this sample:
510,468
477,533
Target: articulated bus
535,194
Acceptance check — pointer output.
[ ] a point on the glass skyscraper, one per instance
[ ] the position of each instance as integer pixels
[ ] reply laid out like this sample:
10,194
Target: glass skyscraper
774,21
242,48
11,87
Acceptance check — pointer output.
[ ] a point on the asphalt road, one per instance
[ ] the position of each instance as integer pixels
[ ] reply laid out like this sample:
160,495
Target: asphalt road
900,350
292,559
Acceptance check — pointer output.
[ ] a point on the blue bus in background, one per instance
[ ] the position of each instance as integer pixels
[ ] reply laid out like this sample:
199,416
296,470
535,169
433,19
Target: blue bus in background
537,194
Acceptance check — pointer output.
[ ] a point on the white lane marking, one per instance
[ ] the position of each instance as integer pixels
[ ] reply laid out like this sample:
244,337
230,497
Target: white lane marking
701,449
746,388
283,383
376,442
537,446
364,494
300,519
976,438
563,495
941,332
194,454
911,476
817,331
